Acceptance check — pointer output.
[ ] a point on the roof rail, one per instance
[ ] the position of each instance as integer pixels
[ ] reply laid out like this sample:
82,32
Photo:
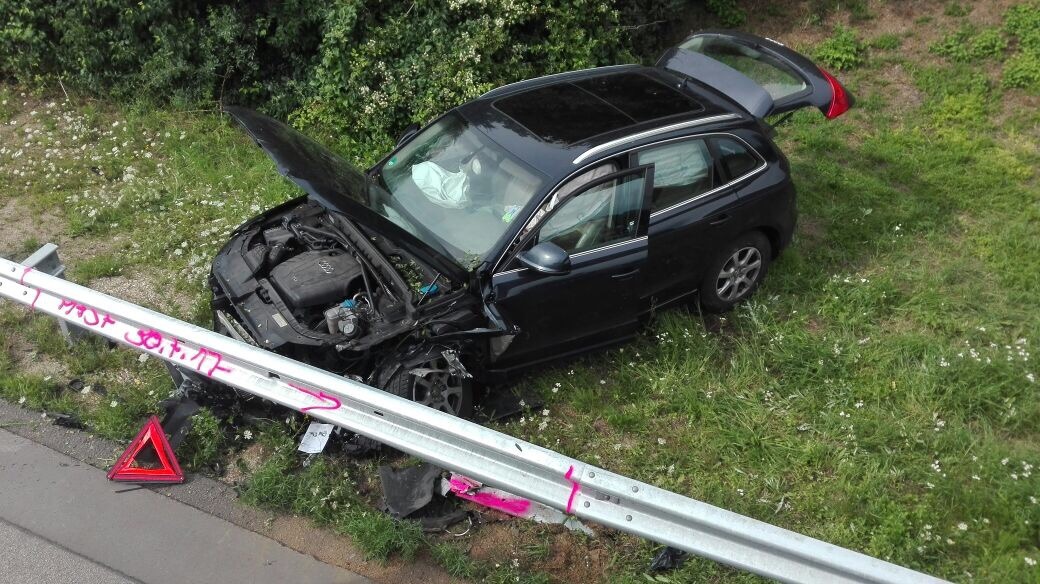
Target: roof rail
648,133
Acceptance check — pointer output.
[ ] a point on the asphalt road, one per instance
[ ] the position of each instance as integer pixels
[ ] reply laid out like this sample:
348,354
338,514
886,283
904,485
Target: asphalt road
62,521
30,559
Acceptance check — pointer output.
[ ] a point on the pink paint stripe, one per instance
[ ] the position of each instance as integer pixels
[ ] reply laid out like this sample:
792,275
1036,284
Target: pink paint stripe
24,272
32,306
575,489
320,395
517,507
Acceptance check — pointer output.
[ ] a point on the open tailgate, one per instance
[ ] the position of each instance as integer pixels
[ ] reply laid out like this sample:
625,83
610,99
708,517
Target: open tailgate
760,74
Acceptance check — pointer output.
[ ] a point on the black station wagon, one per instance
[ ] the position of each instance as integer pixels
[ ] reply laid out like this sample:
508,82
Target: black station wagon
543,219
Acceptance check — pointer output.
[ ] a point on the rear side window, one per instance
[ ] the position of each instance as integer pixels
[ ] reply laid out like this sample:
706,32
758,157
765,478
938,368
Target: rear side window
682,171
735,157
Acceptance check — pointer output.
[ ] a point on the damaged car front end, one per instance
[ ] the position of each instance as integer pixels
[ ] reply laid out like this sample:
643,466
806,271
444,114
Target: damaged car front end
328,280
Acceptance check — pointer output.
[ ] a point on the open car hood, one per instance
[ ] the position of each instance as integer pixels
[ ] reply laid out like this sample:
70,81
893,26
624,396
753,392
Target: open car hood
335,184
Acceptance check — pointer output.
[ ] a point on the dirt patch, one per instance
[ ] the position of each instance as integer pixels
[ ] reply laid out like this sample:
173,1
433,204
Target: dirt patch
327,546
245,464
147,287
899,92
29,361
567,558
19,224
811,231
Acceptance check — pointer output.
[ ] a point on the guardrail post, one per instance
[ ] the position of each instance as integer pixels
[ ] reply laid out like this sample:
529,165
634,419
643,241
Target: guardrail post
46,260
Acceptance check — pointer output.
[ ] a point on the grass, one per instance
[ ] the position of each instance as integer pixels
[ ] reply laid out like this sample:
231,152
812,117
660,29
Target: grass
878,393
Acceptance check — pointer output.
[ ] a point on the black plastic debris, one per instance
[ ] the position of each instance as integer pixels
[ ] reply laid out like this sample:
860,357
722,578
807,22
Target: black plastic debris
412,493
78,386
668,559
68,421
357,445
177,421
408,490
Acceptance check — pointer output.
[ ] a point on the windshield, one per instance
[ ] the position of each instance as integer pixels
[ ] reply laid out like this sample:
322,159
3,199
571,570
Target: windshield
455,189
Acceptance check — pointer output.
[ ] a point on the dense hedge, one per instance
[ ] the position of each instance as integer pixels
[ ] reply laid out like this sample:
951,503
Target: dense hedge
359,69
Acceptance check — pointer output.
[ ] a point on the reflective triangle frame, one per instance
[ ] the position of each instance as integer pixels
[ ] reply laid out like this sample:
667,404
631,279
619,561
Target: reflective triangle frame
169,470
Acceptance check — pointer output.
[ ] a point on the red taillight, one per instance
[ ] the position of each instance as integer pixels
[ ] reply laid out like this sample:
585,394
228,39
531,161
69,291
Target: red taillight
840,99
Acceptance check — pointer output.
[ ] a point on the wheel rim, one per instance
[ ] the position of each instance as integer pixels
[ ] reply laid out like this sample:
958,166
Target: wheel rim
739,274
438,388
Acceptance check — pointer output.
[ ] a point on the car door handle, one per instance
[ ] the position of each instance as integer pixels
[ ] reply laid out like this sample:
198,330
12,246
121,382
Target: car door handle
718,219
625,275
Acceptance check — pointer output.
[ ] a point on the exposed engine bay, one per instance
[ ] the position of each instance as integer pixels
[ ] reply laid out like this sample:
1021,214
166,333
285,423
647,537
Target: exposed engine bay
308,283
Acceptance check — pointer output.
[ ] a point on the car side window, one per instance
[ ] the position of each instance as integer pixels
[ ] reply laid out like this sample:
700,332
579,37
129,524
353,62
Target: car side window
735,158
682,170
606,213
569,188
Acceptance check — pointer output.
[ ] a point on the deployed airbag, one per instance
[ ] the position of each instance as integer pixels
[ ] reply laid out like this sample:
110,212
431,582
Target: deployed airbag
444,188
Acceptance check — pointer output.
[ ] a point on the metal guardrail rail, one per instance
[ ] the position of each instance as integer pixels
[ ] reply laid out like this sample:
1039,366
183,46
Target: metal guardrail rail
491,457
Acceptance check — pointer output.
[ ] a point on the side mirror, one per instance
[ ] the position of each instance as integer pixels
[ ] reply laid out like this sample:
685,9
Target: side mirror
547,258
408,133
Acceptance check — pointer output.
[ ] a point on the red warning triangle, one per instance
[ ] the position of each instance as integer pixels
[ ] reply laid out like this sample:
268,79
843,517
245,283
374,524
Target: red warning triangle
168,472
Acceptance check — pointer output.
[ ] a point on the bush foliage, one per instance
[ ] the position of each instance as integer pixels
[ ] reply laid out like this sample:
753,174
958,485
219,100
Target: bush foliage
360,70
842,51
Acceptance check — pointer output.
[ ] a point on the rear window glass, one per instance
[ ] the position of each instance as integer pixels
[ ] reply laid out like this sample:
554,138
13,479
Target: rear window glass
776,77
735,157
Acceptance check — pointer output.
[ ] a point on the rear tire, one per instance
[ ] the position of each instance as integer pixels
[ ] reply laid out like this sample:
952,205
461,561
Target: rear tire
736,272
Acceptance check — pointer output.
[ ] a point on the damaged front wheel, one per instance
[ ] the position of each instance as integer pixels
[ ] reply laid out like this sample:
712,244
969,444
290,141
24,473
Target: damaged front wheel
439,383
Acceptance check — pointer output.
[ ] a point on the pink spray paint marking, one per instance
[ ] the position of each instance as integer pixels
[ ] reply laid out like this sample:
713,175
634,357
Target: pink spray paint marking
32,305
85,314
201,357
24,273
206,360
464,489
320,395
148,338
575,489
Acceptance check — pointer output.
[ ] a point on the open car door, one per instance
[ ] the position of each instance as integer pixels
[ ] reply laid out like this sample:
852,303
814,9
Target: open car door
760,74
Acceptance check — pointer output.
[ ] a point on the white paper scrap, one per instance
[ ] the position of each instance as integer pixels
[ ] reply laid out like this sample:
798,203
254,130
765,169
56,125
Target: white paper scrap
315,438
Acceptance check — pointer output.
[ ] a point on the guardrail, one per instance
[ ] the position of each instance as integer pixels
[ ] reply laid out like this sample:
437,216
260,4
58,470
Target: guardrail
491,457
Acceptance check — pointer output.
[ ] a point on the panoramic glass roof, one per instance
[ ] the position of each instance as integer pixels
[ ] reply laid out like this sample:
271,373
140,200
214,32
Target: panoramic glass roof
571,112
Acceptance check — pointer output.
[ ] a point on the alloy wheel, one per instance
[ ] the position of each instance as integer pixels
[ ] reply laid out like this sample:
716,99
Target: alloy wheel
739,274
437,387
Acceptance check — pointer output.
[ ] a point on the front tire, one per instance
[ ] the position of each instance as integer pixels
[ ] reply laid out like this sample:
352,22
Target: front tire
736,272
433,384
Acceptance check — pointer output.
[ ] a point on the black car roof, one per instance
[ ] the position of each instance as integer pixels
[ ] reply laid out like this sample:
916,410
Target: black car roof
551,121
